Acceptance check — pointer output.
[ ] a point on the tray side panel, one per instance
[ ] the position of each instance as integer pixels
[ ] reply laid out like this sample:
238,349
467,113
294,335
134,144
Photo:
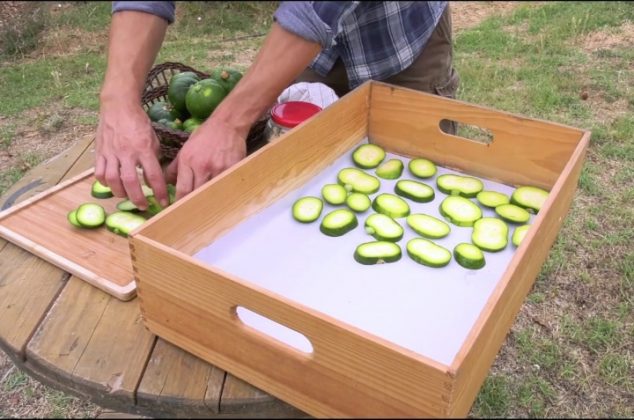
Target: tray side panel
40,225
261,178
523,151
348,373
479,351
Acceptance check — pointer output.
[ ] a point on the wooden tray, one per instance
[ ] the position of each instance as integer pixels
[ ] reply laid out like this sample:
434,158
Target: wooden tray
347,371
98,256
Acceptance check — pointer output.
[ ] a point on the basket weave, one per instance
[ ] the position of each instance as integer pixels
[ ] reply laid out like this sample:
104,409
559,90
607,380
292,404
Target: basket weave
172,140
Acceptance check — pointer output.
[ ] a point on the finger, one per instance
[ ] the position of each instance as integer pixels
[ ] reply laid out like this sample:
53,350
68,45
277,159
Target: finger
112,177
100,169
171,171
132,184
154,178
200,179
184,181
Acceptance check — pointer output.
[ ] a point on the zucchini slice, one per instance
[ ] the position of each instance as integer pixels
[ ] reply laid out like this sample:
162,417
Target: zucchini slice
492,199
469,256
338,222
512,213
368,156
426,252
355,180
383,228
519,233
490,234
422,168
415,191
90,215
127,205
529,197
392,169
390,205
124,222
465,186
98,190
334,194
377,252
72,218
460,211
358,202
428,226
307,209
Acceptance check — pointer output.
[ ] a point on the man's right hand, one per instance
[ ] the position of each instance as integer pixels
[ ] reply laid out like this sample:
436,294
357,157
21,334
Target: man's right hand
126,141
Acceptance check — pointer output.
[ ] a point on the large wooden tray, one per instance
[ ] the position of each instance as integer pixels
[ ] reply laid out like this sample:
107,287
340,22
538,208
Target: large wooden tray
348,371
40,225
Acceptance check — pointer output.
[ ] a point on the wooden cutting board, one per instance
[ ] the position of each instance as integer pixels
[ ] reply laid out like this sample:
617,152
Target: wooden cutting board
98,256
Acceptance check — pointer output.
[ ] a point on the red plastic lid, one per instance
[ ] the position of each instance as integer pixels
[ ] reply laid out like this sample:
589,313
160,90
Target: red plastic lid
290,114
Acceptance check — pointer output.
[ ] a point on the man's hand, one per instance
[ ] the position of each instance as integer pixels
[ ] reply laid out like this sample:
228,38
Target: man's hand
212,148
125,140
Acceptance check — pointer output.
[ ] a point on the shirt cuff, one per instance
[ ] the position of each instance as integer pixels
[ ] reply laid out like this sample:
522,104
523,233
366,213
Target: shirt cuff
163,9
301,19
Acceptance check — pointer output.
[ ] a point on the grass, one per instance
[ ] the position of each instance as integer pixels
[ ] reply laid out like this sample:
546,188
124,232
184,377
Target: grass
569,353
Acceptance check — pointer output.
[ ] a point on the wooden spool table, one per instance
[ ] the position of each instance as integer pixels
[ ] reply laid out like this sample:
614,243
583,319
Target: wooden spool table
70,335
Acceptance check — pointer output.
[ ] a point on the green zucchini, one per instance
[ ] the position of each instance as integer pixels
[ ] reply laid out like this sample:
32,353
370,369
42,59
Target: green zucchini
383,228
531,198
355,180
428,226
334,194
124,222
460,211
390,205
358,202
469,256
428,253
307,209
368,156
422,168
464,186
338,222
512,213
127,205
519,233
90,215
492,199
490,234
72,218
98,190
377,252
392,169
415,191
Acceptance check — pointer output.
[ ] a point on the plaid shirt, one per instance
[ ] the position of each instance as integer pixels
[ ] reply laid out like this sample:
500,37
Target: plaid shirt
374,39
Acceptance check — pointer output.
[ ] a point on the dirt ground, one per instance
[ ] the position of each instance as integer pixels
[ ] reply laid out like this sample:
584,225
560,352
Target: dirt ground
51,137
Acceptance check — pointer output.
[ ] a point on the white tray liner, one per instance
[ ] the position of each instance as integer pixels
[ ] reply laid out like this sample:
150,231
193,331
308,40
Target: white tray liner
429,311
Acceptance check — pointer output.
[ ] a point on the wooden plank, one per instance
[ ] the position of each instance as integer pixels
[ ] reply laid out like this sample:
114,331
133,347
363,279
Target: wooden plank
479,350
523,151
28,285
94,342
241,398
176,383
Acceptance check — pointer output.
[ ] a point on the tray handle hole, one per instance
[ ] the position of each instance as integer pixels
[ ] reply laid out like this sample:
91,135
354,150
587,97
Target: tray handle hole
275,330
468,131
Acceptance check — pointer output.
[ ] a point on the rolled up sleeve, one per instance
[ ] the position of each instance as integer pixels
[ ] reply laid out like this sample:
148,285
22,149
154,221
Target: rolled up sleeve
164,9
317,21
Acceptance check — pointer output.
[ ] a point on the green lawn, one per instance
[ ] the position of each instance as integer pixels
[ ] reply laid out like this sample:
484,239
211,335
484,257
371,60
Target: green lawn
571,350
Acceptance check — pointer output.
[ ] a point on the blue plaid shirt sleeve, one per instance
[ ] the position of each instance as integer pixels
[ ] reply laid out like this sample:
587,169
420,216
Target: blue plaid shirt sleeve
164,9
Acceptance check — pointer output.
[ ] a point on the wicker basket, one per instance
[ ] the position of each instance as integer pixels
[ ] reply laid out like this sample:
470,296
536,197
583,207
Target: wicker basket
172,140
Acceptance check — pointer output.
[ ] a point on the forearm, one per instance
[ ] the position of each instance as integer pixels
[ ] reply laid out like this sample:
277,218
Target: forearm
281,59
131,53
